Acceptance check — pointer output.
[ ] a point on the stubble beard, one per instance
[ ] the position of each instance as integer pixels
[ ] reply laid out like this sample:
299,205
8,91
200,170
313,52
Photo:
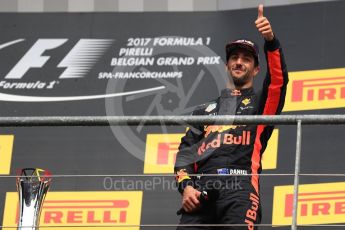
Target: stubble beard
240,81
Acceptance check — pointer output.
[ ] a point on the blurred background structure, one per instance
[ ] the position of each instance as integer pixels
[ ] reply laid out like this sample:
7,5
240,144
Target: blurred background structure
137,5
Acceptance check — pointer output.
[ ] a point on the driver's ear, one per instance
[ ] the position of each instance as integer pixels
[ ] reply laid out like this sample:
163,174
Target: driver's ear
256,70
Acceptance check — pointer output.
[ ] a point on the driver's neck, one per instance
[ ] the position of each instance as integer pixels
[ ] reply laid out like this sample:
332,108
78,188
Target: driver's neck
231,85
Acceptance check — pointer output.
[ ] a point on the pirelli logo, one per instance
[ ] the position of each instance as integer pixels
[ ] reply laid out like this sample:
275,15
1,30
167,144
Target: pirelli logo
161,149
6,146
160,152
77,210
316,89
317,204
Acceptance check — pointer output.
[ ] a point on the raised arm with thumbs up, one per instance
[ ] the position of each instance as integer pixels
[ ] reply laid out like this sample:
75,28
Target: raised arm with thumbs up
263,25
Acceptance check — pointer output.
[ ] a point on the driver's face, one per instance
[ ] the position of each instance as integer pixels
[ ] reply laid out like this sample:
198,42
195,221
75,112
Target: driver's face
241,66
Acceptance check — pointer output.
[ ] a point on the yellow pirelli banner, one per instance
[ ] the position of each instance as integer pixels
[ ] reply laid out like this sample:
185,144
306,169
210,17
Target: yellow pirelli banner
6,146
315,89
317,204
82,210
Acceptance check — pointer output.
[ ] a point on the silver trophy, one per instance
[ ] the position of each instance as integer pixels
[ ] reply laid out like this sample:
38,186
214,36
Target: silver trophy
32,186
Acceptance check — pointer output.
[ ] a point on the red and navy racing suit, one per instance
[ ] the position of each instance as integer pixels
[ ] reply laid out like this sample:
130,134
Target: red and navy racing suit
232,149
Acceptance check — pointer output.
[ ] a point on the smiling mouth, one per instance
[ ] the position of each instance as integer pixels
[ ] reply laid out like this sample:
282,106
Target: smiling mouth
237,70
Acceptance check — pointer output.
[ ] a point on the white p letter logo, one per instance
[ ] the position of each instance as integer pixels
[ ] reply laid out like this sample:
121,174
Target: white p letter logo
33,58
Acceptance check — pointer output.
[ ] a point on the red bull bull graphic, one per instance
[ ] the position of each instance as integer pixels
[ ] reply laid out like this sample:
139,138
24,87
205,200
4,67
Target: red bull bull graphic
218,128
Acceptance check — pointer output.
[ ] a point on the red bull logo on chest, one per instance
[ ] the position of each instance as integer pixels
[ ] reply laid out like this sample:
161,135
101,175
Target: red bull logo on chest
225,139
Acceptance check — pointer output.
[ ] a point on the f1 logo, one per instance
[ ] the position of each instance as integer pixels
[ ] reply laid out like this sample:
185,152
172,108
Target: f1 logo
77,62
33,58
